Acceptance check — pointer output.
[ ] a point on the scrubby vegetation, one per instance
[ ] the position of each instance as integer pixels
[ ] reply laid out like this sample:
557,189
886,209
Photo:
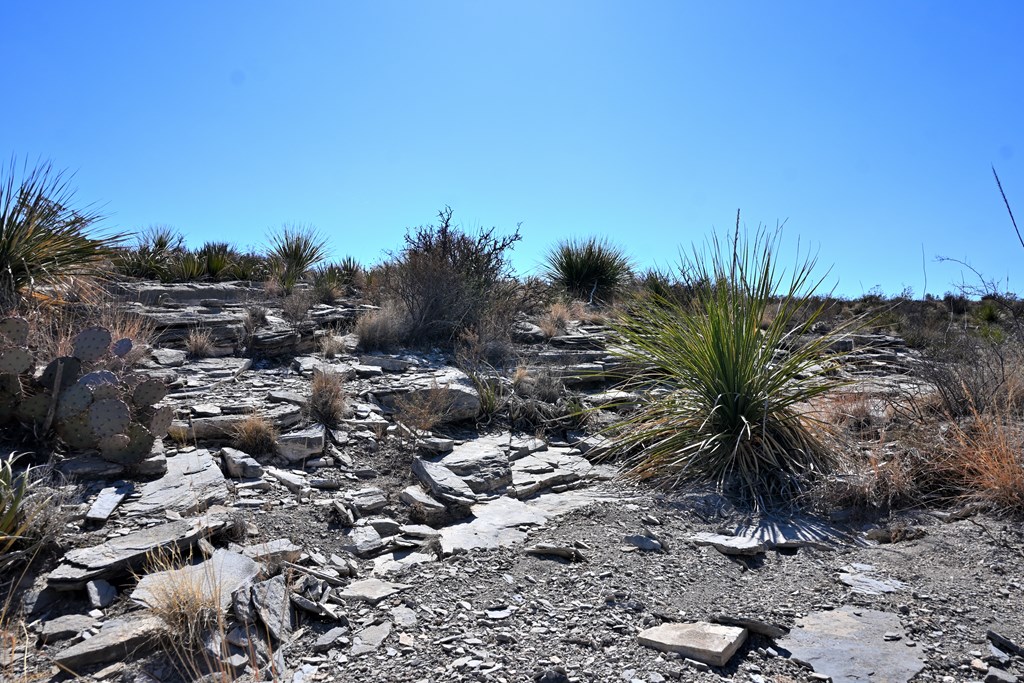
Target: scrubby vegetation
591,269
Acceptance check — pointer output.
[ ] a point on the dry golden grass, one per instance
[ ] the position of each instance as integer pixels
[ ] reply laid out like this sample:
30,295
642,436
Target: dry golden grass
331,346
184,600
255,435
327,399
555,320
382,329
423,410
199,343
986,457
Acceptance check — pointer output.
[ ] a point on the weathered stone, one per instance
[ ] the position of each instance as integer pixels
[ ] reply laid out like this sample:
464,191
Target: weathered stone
330,639
645,543
849,645
274,552
494,524
217,578
435,445
485,468
101,593
222,427
729,545
370,591
858,578
424,507
116,640
712,644
107,501
293,481
240,464
90,468
367,500
753,625
449,387
442,482
362,541
206,410
387,363
542,470
273,606
370,638
123,553
193,482
301,445
67,626
169,358
385,526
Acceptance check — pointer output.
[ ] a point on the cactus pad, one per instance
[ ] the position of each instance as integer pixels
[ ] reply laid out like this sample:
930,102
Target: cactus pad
113,446
34,408
15,360
76,433
108,416
70,366
73,401
149,392
105,391
10,386
161,420
97,378
122,347
14,331
91,344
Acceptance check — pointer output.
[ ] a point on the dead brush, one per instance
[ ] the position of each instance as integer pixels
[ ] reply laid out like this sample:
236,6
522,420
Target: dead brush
854,411
424,410
255,435
295,307
555,321
331,346
382,329
199,343
987,462
328,402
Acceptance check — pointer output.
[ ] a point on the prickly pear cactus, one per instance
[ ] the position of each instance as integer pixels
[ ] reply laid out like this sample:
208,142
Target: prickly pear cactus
76,397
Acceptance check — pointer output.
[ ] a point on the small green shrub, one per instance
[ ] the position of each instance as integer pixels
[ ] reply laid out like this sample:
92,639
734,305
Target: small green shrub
590,269
728,410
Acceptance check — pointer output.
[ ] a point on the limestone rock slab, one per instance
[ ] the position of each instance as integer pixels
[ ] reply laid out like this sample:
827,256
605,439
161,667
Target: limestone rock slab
712,644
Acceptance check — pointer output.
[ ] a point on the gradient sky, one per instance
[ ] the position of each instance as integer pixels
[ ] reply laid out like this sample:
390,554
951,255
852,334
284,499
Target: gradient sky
869,127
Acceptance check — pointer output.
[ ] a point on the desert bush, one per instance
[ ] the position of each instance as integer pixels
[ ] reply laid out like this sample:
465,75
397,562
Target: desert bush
555,320
590,269
446,281
972,373
199,343
295,306
254,317
729,410
382,329
43,240
218,260
251,267
986,461
334,280
327,400
292,252
255,435
185,266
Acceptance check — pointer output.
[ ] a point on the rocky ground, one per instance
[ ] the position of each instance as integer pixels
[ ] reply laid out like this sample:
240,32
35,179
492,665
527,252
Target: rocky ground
373,552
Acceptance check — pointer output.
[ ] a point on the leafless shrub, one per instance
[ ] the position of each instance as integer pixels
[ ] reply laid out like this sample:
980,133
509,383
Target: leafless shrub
382,329
295,307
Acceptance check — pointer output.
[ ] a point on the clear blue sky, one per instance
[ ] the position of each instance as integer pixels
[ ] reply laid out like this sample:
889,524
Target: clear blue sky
870,127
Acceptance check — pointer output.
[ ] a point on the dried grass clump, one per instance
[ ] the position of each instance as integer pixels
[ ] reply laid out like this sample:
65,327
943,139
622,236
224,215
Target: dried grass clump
424,410
255,435
331,345
199,343
382,329
328,403
987,462
183,600
555,320
295,307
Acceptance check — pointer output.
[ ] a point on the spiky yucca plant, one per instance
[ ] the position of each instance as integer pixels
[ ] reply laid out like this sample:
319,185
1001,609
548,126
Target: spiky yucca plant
293,252
43,240
728,388
590,269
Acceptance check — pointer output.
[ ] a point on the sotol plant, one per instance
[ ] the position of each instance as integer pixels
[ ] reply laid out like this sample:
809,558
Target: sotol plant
293,252
728,392
592,269
43,239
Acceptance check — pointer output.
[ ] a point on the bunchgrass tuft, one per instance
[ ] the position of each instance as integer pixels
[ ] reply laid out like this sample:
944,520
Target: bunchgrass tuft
590,269
327,399
728,392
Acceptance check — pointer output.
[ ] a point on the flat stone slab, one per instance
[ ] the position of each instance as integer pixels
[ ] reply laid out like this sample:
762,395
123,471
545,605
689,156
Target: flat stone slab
712,644
193,483
272,603
729,545
850,645
217,577
122,553
494,524
371,591
860,578
442,482
482,466
107,501
65,627
117,640
370,638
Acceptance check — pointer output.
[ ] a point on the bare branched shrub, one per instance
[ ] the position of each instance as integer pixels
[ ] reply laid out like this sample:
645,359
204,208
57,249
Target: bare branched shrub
254,318
446,281
295,307
255,435
327,399
199,343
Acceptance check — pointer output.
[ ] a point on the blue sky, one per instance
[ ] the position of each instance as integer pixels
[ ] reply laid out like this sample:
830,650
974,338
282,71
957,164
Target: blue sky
868,127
